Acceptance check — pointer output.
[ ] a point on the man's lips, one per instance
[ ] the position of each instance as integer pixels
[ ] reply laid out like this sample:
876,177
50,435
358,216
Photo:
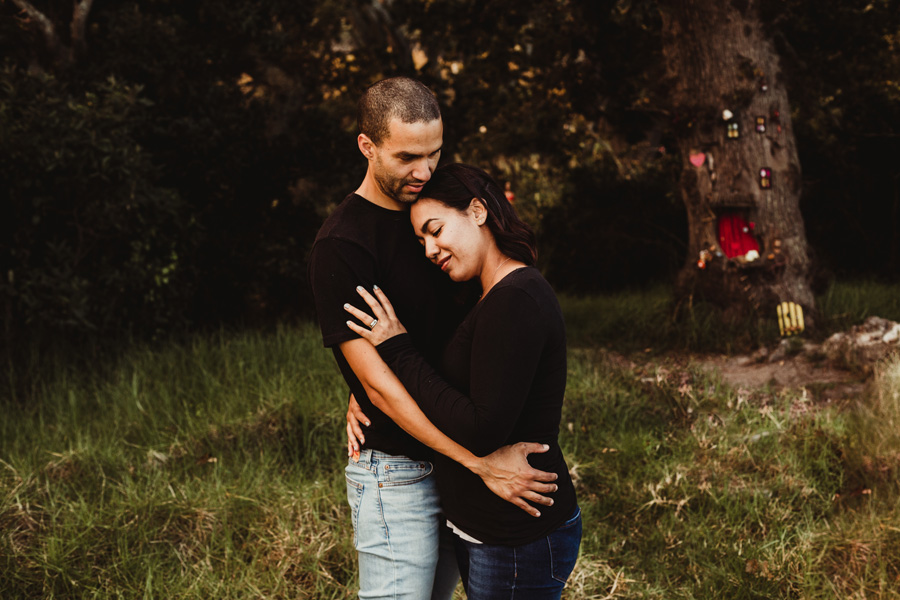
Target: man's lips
415,187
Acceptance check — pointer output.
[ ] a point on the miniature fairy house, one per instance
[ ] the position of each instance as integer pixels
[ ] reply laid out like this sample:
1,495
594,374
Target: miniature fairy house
740,179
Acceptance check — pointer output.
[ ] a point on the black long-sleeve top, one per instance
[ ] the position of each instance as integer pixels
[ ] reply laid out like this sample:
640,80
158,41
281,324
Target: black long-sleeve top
502,381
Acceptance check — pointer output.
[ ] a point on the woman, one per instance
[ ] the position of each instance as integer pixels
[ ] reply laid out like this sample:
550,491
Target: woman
502,380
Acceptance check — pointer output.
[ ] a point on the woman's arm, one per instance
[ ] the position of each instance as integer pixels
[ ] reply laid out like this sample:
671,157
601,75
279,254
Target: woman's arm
506,351
507,473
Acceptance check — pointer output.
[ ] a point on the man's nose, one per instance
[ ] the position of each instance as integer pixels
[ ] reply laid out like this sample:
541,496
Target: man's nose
422,170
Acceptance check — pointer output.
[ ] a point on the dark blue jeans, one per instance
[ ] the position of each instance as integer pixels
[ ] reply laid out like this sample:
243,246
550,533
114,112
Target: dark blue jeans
535,571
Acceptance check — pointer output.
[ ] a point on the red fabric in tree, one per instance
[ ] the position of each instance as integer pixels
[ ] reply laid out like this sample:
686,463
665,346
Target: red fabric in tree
735,236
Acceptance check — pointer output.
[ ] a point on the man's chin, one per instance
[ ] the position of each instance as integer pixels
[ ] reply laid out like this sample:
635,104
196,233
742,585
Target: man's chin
406,198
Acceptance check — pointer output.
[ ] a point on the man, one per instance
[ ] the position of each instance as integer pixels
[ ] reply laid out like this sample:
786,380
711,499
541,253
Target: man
368,241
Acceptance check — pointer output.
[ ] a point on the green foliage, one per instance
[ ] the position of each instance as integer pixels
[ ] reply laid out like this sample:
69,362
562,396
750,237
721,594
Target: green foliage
92,240
843,76
178,170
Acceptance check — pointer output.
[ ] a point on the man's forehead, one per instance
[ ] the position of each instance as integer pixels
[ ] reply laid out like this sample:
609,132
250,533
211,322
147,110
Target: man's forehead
399,129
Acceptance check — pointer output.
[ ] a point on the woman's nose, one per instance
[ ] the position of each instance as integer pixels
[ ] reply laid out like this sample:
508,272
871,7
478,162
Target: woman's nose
431,249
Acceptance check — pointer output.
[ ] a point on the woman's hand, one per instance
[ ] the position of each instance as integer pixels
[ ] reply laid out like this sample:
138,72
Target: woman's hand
383,326
355,420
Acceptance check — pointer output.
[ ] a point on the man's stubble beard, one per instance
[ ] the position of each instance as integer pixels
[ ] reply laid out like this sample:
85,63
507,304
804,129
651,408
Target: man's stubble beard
392,188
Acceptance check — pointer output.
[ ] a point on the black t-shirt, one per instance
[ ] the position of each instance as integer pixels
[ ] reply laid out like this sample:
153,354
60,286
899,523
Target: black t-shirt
364,244
502,381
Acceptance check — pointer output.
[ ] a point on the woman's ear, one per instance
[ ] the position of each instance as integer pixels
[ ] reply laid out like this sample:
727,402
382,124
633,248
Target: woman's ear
478,211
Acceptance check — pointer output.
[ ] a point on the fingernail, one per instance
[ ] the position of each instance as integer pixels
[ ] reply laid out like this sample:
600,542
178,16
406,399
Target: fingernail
537,513
551,502
375,287
359,288
546,447
349,322
346,306
368,423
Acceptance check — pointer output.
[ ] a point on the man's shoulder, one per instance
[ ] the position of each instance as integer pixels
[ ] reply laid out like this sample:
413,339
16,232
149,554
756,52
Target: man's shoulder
346,221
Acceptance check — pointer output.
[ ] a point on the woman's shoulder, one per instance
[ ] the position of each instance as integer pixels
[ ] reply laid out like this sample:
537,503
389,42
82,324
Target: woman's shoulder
527,279
526,282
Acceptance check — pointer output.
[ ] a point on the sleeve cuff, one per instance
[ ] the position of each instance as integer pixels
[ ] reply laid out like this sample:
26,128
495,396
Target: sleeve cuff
391,348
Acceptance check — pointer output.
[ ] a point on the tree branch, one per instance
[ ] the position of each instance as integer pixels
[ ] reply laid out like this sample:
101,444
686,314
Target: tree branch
80,13
45,25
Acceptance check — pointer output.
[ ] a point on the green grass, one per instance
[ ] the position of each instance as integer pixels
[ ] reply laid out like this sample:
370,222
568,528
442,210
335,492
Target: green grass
212,468
650,321
208,469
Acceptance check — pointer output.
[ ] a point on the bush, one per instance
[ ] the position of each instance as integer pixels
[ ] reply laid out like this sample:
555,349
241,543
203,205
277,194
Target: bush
93,243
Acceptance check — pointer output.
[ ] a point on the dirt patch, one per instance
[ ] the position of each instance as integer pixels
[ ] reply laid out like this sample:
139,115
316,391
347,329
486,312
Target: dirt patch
827,381
835,369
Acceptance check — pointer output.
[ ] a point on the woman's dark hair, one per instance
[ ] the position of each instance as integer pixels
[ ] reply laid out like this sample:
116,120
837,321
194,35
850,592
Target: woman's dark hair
455,185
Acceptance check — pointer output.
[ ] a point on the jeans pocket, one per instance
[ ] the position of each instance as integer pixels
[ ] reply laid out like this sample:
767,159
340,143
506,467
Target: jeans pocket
564,544
405,472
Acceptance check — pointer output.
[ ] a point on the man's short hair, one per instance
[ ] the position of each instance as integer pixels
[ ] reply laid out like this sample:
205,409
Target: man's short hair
398,97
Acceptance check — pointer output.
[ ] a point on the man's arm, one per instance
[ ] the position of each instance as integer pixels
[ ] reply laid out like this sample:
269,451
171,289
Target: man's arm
506,472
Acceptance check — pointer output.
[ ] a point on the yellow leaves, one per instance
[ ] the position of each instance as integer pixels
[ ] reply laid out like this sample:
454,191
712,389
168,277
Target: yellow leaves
419,57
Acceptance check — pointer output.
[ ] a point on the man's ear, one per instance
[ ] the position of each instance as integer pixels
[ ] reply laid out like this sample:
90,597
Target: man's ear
366,146
478,211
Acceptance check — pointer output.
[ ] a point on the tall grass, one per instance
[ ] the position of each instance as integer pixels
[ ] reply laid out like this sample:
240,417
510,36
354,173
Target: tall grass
198,470
851,302
651,321
212,468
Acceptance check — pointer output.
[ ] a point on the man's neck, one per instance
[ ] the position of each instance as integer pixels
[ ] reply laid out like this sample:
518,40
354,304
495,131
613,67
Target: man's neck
370,191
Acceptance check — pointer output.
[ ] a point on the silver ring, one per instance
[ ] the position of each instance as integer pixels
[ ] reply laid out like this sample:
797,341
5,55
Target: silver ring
373,323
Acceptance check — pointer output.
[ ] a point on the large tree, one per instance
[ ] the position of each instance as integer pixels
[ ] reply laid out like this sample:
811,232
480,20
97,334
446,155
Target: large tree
741,177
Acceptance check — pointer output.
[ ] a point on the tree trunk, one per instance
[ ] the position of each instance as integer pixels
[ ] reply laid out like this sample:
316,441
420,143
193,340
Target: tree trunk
741,177
61,54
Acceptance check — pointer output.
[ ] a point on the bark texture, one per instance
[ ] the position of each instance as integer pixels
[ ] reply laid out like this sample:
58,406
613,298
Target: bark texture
719,58
64,55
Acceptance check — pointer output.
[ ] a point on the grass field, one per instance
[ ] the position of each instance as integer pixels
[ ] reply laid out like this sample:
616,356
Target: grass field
212,468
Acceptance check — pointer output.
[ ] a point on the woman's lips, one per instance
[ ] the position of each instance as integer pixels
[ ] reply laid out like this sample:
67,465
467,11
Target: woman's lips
443,263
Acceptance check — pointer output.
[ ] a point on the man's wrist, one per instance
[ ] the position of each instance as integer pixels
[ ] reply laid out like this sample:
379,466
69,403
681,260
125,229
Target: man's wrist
475,464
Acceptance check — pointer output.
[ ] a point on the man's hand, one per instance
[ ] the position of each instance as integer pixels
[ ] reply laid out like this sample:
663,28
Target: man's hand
355,420
507,473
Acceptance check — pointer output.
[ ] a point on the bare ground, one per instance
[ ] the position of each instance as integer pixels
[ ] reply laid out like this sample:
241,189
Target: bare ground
823,379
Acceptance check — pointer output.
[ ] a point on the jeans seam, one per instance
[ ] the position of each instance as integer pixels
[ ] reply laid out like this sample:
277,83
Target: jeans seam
515,580
354,514
553,561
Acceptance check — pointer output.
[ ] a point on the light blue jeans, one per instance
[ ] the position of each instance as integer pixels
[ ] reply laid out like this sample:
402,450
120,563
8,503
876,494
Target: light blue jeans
405,550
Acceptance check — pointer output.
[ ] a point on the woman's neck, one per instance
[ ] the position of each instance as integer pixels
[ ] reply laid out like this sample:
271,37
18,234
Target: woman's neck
496,268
